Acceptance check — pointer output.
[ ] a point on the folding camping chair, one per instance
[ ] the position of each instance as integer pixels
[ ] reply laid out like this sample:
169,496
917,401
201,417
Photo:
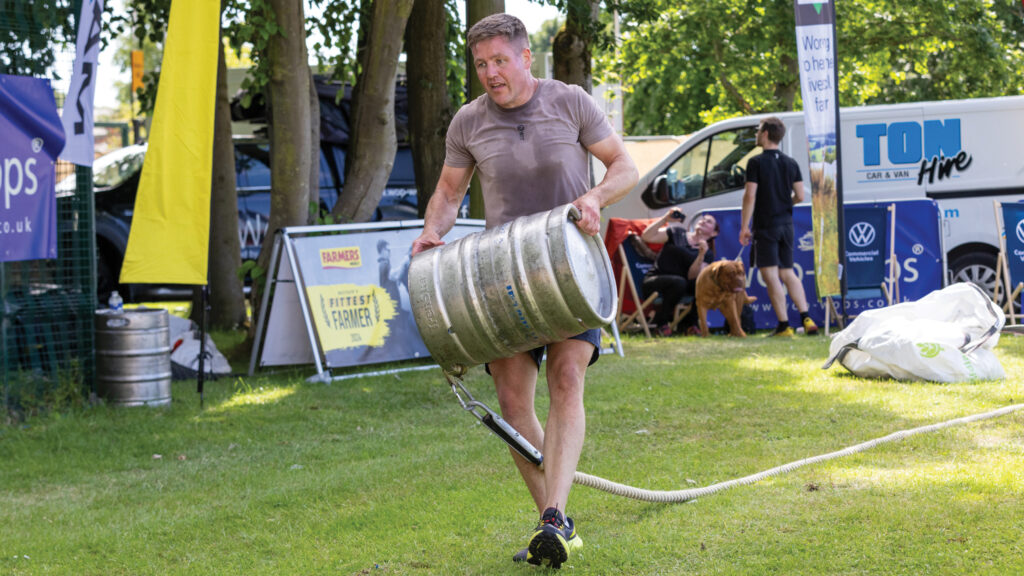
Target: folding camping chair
637,260
1012,237
876,281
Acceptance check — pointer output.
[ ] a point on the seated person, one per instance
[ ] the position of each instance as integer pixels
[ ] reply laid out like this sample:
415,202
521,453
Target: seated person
685,254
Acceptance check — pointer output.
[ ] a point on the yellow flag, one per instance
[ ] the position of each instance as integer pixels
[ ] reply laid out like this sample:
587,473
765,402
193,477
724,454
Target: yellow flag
169,238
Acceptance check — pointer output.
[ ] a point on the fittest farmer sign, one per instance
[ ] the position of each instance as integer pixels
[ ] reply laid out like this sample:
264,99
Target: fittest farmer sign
356,293
357,298
32,137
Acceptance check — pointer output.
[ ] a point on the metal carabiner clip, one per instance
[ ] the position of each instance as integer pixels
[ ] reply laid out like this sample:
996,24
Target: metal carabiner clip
499,426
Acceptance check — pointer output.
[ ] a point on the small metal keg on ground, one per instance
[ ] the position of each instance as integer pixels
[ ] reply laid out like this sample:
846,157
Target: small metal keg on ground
509,289
133,357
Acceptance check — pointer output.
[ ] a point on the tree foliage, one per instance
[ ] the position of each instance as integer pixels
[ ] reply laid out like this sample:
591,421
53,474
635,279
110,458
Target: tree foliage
33,35
541,40
698,62
252,25
335,29
31,32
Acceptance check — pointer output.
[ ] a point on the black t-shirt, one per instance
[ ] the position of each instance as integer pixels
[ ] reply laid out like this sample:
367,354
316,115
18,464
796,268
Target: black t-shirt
677,255
774,173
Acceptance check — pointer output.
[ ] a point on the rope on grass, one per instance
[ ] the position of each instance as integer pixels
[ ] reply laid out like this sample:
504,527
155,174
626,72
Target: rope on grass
694,493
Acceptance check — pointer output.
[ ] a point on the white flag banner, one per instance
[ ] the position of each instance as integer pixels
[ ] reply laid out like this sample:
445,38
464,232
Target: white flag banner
78,104
816,53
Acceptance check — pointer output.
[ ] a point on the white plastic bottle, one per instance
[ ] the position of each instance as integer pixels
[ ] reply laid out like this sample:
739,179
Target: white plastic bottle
116,303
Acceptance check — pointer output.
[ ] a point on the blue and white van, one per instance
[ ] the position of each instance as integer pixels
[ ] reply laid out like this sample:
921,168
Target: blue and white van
964,154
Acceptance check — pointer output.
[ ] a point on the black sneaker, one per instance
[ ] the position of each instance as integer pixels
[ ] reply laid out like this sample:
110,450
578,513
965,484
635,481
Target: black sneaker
574,542
549,545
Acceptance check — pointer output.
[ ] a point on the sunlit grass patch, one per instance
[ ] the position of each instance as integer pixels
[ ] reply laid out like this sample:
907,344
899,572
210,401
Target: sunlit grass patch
388,474
259,396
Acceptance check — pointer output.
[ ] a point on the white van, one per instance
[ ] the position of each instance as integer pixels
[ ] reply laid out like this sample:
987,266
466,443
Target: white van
962,153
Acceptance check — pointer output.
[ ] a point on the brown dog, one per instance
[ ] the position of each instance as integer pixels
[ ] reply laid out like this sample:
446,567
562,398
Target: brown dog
722,285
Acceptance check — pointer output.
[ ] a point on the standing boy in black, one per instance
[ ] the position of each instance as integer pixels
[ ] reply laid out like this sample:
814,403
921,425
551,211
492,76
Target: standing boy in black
774,185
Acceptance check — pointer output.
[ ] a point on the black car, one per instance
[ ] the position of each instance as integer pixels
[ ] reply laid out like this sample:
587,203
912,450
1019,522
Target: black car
116,179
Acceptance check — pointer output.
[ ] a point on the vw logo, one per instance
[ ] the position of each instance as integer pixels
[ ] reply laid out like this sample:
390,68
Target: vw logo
1020,231
863,233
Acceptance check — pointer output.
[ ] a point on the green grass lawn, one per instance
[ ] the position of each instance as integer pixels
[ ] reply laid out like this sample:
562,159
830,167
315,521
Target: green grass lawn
386,475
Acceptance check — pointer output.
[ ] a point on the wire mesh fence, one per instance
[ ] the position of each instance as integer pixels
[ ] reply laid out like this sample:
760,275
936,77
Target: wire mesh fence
47,306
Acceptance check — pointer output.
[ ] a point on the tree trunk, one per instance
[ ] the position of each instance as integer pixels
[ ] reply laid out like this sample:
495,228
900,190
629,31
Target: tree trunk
571,46
227,302
477,10
373,143
314,153
290,148
430,109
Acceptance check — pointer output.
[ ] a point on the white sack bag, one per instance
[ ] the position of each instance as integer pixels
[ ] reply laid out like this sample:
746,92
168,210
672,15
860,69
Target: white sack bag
947,336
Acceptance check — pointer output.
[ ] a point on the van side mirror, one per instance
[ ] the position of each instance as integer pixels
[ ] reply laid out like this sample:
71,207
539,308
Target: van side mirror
658,193
662,194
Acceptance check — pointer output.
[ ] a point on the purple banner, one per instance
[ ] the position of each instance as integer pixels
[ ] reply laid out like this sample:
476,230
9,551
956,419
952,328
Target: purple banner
33,137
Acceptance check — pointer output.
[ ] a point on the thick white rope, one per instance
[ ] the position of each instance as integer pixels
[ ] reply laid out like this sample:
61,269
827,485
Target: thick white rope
693,493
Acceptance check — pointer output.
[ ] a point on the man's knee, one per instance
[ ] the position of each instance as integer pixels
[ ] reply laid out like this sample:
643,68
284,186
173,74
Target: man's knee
515,379
567,366
769,274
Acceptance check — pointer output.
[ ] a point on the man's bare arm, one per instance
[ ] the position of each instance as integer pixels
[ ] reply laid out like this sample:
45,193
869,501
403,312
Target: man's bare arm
749,196
620,177
798,192
443,207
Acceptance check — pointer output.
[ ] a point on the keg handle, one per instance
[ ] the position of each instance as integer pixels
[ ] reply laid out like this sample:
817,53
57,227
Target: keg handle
574,213
499,426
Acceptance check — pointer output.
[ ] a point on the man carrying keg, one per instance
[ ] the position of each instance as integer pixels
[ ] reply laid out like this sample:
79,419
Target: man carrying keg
528,139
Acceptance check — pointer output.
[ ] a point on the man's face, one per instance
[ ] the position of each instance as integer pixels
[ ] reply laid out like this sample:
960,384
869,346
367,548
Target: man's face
503,68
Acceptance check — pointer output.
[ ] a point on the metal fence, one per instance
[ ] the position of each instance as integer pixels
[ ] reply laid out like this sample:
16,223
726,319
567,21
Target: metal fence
47,306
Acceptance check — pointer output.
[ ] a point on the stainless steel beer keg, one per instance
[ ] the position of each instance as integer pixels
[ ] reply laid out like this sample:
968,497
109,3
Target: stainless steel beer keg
510,289
133,357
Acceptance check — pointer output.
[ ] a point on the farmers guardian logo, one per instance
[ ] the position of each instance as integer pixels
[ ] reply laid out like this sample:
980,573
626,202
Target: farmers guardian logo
862,234
341,258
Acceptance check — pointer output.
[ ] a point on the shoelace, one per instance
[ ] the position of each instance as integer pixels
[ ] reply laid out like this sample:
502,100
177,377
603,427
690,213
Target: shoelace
552,519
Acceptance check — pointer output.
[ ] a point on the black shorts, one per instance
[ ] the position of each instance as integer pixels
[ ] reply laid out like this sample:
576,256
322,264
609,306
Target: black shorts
773,246
593,336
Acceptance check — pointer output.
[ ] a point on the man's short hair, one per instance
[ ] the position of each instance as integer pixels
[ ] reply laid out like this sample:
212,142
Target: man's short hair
499,25
774,128
382,244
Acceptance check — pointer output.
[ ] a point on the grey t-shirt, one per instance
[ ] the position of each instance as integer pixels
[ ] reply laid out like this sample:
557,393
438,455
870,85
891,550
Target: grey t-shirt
531,158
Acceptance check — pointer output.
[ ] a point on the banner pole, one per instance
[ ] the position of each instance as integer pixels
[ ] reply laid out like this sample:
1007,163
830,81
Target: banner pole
204,305
841,212
817,56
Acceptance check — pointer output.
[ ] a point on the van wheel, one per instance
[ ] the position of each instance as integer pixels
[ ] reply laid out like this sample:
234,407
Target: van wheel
978,268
